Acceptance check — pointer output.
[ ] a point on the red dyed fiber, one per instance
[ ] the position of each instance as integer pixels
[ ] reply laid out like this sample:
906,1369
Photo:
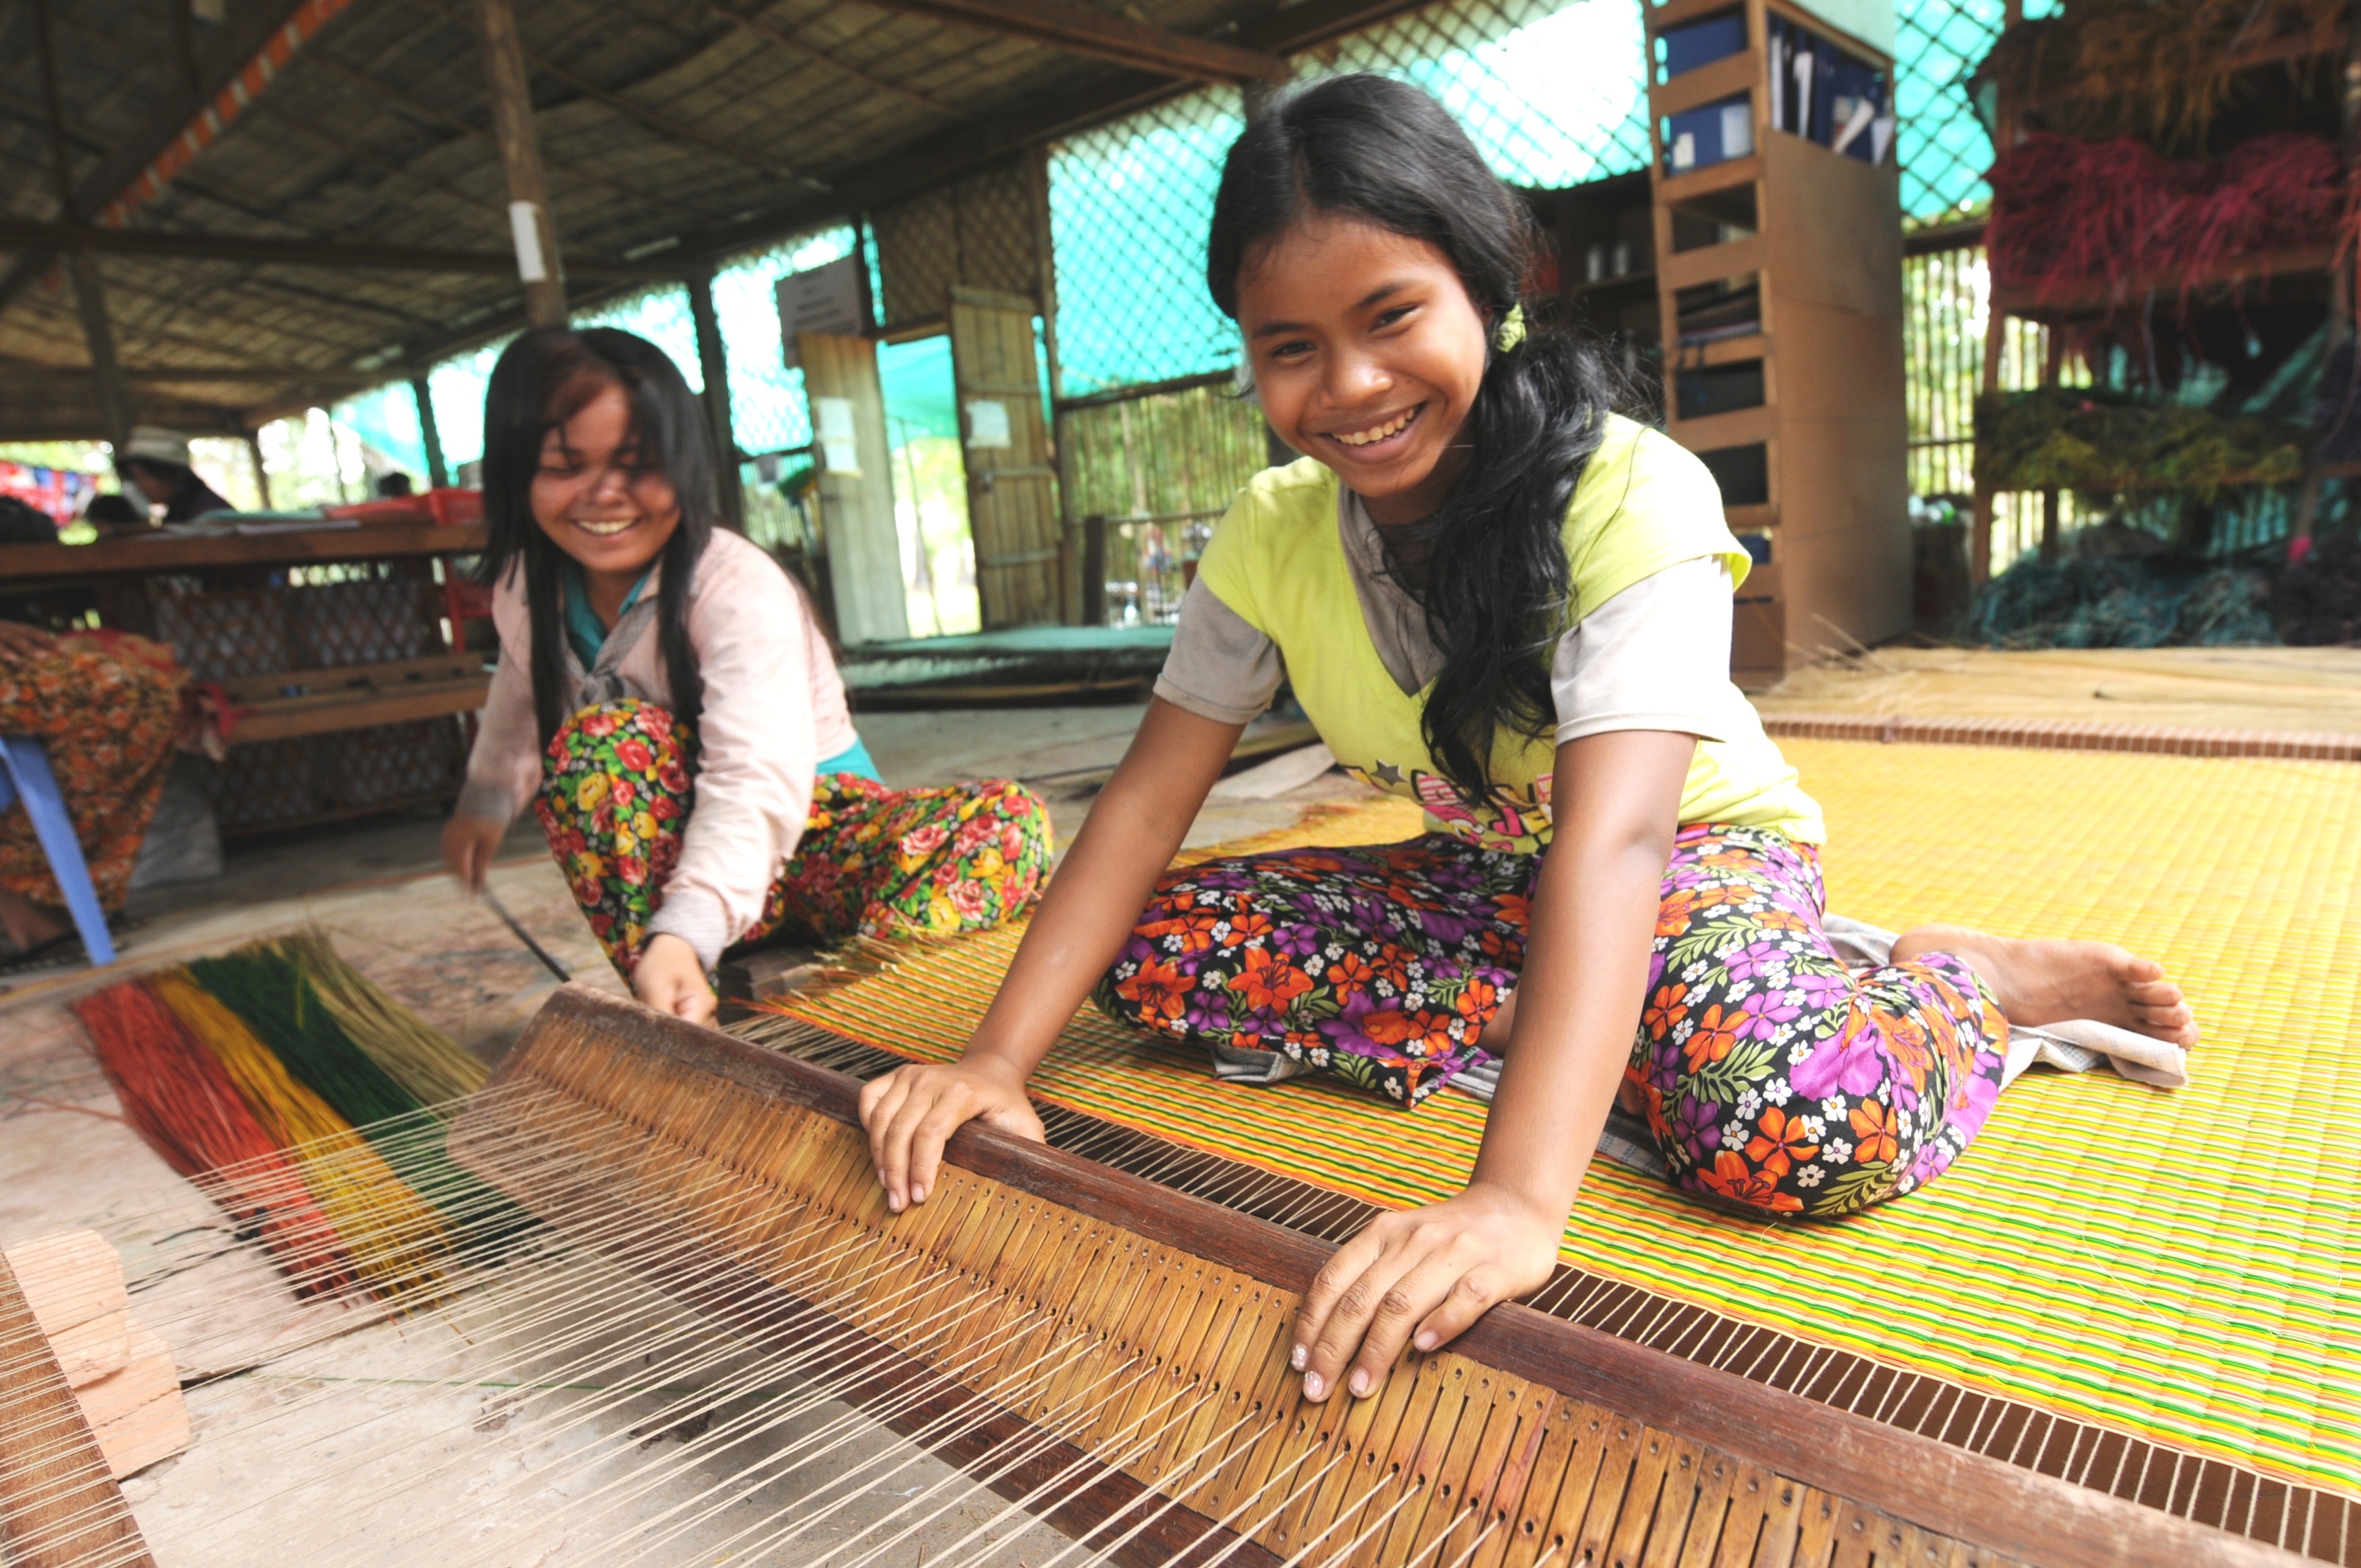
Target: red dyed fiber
2067,212
175,1093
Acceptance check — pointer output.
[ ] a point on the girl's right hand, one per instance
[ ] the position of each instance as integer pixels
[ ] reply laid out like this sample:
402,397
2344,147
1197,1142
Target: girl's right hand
19,641
911,1112
469,845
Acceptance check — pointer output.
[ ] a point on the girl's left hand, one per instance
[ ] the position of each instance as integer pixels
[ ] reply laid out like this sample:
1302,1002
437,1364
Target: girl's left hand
670,979
1421,1277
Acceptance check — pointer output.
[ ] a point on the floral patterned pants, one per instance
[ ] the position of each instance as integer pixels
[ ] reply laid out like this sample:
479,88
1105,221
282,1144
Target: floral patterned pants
108,726
615,796
1775,1077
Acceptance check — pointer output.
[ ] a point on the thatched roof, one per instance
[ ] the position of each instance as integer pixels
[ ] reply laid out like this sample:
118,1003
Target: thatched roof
301,199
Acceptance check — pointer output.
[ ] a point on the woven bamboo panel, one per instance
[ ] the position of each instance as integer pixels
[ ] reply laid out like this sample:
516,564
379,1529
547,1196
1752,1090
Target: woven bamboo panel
221,635
363,623
283,784
985,232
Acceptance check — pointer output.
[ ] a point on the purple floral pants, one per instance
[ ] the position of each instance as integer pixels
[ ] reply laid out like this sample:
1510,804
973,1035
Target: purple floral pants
1774,1077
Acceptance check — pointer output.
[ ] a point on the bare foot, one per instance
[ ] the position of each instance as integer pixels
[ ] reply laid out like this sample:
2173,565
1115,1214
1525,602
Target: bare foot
2042,982
28,924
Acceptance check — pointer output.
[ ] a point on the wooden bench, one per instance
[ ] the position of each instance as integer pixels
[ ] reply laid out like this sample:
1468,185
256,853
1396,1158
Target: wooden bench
292,703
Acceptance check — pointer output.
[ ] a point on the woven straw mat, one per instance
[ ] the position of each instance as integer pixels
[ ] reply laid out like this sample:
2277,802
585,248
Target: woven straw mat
2171,1263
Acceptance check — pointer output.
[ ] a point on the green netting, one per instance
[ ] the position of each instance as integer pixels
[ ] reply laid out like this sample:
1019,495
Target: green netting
766,399
1129,204
1553,94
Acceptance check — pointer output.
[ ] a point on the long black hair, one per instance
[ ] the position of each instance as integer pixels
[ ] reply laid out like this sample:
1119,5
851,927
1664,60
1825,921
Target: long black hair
1489,565
543,379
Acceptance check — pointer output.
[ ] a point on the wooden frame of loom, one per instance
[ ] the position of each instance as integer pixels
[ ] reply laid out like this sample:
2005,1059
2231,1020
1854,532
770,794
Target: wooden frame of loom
1702,1466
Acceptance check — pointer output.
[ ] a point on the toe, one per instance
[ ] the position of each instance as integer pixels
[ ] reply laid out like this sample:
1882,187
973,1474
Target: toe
2153,993
2130,969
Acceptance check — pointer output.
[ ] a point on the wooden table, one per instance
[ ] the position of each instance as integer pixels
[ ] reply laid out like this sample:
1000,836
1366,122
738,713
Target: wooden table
279,708
49,565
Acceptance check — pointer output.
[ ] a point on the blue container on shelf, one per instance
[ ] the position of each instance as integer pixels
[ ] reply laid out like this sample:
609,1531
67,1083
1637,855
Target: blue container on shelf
1684,48
1713,133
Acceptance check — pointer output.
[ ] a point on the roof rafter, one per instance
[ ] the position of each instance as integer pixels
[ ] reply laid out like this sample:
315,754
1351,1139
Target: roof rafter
654,119
16,234
1101,35
252,28
778,36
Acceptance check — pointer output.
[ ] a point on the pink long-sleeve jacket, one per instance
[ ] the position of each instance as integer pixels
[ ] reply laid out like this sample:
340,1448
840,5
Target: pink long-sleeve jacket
773,707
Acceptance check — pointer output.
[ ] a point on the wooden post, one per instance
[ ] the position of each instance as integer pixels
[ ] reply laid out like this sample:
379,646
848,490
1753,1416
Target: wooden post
2342,307
713,364
1094,570
261,473
437,475
106,374
2053,353
533,230
1979,549
58,1504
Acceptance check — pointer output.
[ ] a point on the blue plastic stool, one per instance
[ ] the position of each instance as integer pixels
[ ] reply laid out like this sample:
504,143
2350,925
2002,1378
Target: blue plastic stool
26,776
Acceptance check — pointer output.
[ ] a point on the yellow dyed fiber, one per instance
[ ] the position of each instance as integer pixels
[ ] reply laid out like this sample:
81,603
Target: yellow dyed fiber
2177,1264
394,1239
413,1053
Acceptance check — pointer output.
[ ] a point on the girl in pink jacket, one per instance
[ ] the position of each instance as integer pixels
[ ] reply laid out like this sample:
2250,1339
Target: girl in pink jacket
667,703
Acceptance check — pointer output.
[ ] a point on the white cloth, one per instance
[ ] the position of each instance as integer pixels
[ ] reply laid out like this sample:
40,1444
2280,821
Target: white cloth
773,707
2076,1045
1657,657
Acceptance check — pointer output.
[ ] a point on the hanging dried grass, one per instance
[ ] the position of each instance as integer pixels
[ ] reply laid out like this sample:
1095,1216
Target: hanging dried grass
2080,438
2067,212
2157,68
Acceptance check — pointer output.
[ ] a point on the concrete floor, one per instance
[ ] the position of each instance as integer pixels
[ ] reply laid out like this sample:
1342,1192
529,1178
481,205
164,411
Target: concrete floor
377,889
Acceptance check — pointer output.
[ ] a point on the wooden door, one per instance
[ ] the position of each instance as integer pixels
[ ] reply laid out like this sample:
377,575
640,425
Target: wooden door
856,487
1012,494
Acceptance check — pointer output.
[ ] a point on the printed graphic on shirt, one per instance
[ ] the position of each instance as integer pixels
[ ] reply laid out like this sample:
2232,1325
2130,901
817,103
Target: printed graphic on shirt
1516,819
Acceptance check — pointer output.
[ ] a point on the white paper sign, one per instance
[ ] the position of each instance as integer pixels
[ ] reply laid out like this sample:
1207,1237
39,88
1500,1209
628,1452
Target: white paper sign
987,425
839,448
826,299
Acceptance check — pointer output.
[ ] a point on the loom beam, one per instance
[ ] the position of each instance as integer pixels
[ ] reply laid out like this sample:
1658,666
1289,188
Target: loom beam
1703,1466
58,1504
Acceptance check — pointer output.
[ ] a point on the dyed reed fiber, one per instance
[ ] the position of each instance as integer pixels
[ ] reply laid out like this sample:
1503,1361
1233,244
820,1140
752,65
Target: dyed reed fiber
392,1237
2170,1264
427,1063
177,1095
268,989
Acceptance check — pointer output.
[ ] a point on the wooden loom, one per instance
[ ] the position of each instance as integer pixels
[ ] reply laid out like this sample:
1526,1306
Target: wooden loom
1109,1355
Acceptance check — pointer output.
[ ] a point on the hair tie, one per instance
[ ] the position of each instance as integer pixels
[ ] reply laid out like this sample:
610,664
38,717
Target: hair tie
1513,329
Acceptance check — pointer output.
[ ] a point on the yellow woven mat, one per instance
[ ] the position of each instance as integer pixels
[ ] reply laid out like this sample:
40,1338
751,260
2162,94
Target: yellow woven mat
2176,1264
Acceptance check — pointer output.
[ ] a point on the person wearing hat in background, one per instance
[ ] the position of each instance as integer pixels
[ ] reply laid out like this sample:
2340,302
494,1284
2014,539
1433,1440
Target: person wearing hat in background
155,463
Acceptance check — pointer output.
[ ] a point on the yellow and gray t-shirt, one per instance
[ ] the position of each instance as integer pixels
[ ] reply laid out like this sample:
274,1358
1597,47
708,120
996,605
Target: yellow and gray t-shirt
1292,586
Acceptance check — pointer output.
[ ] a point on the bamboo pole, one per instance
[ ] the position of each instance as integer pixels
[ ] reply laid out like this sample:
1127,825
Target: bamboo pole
539,266
713,363
437,474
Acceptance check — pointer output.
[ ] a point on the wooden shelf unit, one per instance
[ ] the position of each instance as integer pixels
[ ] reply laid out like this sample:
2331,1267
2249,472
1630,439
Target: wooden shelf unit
1818,467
